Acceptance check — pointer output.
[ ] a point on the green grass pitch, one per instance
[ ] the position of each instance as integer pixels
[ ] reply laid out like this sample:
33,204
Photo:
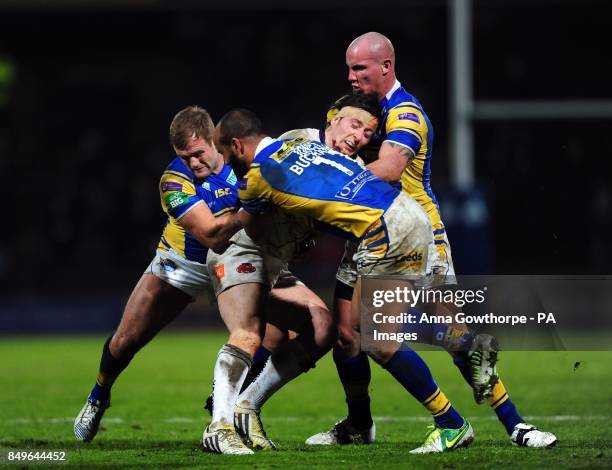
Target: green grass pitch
157,418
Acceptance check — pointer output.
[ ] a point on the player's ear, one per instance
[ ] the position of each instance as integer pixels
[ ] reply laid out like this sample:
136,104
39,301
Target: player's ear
237,146
386,66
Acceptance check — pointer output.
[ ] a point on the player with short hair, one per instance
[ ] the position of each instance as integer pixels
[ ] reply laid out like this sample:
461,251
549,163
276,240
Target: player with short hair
405,157
318,184
197,191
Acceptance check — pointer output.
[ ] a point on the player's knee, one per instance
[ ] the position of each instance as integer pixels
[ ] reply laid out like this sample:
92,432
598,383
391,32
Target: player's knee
324,325
348,343
381,357
348,337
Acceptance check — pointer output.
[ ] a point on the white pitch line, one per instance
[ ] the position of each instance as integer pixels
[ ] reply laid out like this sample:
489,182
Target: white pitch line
284,419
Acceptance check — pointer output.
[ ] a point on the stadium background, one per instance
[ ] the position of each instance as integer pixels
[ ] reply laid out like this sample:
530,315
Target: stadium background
87,90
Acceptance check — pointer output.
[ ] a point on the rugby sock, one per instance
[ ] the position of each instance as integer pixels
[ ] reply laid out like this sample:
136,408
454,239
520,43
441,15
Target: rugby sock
439,334
355,376
411,371
230,370
259,361
463,365
289,361
445,336
500,400
504,408
109,370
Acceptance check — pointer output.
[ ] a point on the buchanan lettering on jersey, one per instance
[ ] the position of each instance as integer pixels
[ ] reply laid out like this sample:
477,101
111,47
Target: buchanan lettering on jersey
308,179
309,153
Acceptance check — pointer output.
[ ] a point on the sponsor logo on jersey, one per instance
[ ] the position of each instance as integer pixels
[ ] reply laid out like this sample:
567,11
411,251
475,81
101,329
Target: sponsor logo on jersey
220,271
413,256
408,117
167,265
206,185
352,188
223,192
246,268
231,178
176,199
171,186
243,184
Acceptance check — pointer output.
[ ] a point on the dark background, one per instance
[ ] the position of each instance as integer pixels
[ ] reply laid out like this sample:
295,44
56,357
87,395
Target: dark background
87,94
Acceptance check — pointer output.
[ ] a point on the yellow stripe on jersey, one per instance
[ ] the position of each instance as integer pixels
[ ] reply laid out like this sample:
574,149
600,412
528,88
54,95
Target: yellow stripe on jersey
173,233
408,117
177,174
350,218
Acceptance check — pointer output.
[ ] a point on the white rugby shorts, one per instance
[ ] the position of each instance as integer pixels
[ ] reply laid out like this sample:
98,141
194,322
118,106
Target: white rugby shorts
244,262
190,277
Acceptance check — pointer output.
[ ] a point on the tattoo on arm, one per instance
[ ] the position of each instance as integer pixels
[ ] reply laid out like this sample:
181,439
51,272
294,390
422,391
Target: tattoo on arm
403,151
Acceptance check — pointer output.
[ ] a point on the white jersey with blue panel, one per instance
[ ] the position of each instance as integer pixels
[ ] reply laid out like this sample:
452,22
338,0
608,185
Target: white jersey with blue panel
314,182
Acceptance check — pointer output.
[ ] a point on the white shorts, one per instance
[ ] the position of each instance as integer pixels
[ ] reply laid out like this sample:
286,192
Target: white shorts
398,243
440,269
439,272
244,262
188,276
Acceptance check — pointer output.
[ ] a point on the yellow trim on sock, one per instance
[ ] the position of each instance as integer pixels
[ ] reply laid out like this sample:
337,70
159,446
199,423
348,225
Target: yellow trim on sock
437,403
104,380
499,396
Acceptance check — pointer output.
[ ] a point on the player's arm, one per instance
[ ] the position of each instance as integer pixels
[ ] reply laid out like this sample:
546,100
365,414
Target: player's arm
406,130
180,201
392,161
213,232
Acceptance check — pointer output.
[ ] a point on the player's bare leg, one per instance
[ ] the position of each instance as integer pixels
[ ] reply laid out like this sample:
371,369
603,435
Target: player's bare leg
354,371
151,306
298,309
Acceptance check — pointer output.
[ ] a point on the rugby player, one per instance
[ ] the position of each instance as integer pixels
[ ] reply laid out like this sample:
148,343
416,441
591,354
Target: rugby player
405,157
241,296
309,181
362,114
197,190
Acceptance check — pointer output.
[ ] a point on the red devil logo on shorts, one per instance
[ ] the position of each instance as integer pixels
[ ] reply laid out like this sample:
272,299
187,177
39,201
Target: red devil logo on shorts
246,268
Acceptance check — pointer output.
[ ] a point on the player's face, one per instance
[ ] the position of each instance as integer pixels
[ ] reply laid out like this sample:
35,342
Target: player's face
200,156
231,156
365,73
348,135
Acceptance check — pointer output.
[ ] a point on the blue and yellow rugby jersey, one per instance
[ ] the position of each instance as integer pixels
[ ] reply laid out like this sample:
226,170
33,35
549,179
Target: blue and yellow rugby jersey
180,191
405,123
314,182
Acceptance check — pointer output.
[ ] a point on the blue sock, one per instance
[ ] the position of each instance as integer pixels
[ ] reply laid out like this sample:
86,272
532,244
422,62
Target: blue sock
464,367
355,376
410,370
508,415
259,361
99,394
261,356
439,334
110,368
506,412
